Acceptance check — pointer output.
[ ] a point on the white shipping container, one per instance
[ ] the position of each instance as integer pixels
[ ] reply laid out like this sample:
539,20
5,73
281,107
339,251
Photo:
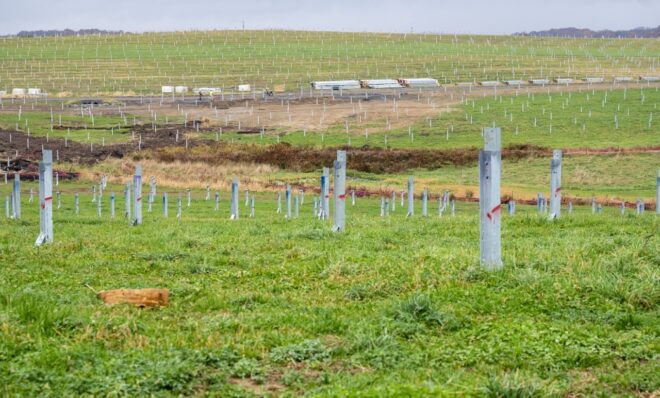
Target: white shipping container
464,84
623,79
515,82
336,85
539,82
649,78
563,80
18,91
594,79
206,90
181,89
244,87
419,82
380,83
489,83
167,89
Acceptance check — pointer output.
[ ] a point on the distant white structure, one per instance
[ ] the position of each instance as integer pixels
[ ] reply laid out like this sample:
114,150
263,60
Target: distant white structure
563,80
594,79
649,78
465,84
539,82
167,89
380,83
336,85
489,83
419,82
515,82
181,89
623,79
244,87
206,90
18,92
3,93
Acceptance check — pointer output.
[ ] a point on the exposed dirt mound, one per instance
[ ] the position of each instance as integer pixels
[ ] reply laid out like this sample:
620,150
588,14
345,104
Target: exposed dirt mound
374,160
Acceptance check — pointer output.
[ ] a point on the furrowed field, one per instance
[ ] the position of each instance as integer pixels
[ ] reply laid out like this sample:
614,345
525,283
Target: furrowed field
392,306
142,63
395,306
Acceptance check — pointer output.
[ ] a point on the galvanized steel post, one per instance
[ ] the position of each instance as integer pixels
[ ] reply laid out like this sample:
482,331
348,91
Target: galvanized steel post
45,199
555,184
137,195
339,192
489,199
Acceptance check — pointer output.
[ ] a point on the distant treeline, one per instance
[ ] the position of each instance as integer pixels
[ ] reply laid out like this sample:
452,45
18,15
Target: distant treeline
67,32
588,33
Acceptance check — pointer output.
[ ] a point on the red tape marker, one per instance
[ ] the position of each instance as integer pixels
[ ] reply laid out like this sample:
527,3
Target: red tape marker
342,197
491,213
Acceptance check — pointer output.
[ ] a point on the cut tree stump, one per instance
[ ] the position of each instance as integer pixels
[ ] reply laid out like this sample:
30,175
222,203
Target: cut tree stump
138,297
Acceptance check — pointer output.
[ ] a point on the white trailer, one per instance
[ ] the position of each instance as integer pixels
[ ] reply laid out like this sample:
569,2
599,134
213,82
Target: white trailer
489,83
515,82
419,82
336,85
18,92
563,80
539,82
649,78
380,83
167,89
244,87
181,89
594,79
34,91
206,90
623,79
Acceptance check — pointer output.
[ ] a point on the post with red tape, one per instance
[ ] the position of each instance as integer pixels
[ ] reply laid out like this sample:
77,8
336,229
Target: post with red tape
340,192
555,184
45,199
137,195
490,165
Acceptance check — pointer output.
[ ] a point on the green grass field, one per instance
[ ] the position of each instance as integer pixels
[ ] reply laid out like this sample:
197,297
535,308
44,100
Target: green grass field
391,307
560,120
142,63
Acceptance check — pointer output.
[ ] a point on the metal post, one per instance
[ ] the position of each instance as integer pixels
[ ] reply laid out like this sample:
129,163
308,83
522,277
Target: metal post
287,195
93,193
411,197
657,194
112,205
593,205
339,192
77,203
16,195
98,206
387,207
393,201
453,207
382,206
59,199
45,199
555,184
252,206
179,212
353,197
326,194
189,194
570,207
234,199
208,193
247,197
165,204
279,202
489,199
296,203
127,201
623,207
217,201
137,195
425,202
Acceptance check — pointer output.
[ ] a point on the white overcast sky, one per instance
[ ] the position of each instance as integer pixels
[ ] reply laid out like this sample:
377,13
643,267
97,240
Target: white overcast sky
442,16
